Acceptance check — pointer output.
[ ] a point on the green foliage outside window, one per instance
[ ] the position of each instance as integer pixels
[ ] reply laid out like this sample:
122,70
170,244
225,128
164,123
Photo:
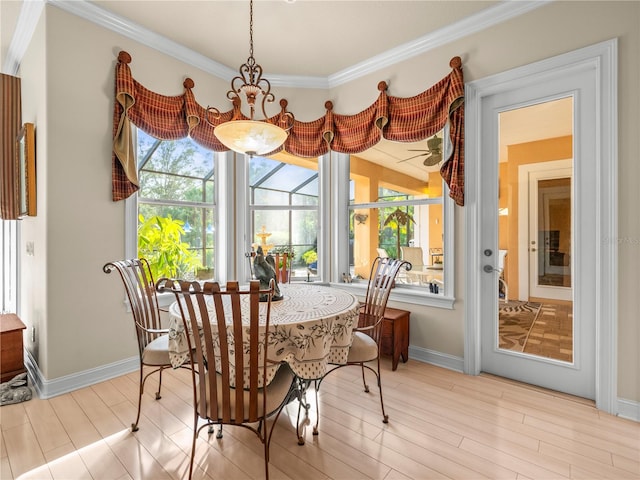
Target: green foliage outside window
160,242
177,182
310,256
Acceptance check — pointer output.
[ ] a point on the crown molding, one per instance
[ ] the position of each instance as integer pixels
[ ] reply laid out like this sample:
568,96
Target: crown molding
25,26
125,27
482,20
31,11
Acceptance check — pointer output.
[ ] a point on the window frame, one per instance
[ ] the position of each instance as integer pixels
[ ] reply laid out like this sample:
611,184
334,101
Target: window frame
220,204
245,210
10,281
340,242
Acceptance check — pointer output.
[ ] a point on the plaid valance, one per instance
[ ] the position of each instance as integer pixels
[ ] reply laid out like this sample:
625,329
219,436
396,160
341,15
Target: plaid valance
10,124
394,118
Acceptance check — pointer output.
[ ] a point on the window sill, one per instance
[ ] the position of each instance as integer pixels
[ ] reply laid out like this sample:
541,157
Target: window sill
403,295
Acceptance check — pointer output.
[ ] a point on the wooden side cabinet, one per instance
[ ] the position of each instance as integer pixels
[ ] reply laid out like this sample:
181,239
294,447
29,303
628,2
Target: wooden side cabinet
395,335
11,347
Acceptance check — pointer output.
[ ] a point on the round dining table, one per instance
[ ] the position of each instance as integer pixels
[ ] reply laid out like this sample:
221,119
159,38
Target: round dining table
310,328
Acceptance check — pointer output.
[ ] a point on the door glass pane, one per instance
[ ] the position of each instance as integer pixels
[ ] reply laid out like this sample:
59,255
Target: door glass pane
535,234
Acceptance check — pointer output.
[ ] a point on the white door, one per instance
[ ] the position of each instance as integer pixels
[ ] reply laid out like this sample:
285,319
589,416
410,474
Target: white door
576,376
589,77
545,220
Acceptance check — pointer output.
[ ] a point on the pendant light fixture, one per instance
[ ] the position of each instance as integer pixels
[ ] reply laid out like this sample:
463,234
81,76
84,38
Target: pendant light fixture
250,136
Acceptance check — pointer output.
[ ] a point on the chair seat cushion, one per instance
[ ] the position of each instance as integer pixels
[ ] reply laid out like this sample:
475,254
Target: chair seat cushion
157,351
363,348
277,392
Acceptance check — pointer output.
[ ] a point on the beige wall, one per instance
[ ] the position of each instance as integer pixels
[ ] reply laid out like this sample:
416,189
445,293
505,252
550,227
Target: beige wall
68,89
33,294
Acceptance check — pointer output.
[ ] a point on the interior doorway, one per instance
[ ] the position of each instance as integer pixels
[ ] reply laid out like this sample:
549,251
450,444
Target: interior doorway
546,226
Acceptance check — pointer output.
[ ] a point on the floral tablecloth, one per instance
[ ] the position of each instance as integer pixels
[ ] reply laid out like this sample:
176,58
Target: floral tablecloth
310,327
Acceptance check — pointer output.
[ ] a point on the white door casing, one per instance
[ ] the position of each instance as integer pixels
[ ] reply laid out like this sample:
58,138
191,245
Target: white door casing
599,64
528,200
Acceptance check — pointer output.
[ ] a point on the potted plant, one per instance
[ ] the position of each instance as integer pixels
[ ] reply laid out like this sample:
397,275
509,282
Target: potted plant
401,219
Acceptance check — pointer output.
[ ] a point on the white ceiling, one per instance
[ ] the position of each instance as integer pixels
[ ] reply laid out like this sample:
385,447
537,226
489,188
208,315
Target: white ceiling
306,39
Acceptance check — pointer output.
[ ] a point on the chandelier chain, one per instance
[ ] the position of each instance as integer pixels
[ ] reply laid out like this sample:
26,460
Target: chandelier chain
251,137
251,29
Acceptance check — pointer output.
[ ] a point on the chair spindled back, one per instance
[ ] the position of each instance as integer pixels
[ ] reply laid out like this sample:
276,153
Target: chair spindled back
217,396
382,279
282,271
141,292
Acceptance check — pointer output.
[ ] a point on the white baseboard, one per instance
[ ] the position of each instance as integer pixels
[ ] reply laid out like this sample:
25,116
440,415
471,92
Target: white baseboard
629,409
68,383
438,359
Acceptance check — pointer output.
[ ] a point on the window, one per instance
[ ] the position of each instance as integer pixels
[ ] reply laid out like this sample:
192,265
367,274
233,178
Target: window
9,254
399,224
284,204
176,207
226,206
401,213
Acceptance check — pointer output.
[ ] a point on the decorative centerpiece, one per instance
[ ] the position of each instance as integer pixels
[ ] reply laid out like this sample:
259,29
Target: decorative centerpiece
264,270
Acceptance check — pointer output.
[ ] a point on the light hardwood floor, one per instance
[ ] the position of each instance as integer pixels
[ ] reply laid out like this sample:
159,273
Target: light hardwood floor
442,425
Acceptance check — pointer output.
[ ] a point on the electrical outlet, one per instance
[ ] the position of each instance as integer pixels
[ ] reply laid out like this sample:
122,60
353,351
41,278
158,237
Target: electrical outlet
33,334
30,249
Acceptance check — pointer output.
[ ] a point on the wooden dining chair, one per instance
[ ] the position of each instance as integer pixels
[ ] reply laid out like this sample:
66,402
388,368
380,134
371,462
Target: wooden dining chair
222,393
153,340
283,267
366,339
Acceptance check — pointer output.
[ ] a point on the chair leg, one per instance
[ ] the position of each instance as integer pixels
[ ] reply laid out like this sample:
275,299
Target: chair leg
364,380
385,417
298,429
301,394
158,397
143,379
266,454
193,448
134,425
316,388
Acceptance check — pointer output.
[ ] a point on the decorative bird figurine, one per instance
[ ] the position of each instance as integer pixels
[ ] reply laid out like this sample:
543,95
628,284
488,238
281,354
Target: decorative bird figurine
264,270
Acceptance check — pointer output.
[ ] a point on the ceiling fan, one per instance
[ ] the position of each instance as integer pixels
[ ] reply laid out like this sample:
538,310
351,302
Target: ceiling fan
433,152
